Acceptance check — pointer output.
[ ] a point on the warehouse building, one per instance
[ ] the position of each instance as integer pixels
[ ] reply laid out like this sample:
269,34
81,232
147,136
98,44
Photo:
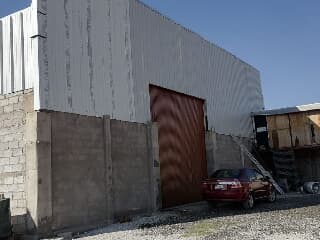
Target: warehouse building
108,109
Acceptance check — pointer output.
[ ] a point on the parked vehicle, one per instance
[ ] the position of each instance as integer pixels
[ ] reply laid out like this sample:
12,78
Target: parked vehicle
238,185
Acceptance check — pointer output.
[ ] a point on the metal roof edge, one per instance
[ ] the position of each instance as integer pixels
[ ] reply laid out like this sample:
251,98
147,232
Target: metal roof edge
196,34
296,109
15,13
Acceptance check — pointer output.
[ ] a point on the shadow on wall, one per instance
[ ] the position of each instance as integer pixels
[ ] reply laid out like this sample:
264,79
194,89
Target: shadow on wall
223,152
22,225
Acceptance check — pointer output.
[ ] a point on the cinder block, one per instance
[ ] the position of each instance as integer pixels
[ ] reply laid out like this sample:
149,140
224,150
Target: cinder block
8,108
13,100
17,167
14,160
4,146
5,153
17,152
21,203
8,180
14,144
8,195
14,203
17,196
12,169
18,211
7,169
4,161
4,102
18,180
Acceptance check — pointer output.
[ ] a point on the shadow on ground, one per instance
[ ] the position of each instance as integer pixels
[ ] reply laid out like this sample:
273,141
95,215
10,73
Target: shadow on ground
202,211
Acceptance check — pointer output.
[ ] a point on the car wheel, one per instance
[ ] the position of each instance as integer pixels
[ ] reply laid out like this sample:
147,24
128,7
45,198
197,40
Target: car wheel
272,196
249,202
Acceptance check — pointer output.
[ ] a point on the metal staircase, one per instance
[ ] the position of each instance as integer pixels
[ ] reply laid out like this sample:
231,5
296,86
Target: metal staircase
258,165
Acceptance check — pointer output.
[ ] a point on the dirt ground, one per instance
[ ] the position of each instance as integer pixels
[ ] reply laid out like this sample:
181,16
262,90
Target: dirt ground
292,217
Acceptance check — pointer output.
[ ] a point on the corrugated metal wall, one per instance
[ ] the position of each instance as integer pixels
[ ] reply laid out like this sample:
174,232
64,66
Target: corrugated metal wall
16,54
168,55
88,56
98,57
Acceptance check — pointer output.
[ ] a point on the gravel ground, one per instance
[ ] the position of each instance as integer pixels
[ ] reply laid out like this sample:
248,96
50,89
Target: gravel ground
291,217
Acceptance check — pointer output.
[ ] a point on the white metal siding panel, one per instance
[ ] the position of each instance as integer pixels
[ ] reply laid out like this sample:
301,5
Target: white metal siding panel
89,61
28,50
121,60
56,47
7,55
15,52
101,56
168,55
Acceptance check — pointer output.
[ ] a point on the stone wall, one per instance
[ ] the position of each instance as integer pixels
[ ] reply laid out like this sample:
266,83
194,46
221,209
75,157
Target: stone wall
86,171
223,152
13,108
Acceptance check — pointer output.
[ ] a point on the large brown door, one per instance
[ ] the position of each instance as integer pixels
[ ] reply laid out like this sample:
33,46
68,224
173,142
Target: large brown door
183,166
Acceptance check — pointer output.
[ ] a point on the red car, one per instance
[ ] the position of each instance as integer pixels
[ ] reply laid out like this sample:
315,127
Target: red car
238,185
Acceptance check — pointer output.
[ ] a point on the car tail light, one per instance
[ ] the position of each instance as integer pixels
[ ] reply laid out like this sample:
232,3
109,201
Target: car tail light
204,186
208,185
235,184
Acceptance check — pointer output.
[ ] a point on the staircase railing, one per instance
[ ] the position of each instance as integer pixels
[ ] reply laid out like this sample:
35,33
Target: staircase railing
258,165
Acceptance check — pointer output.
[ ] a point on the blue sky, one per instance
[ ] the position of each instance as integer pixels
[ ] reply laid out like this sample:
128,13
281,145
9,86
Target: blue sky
280,38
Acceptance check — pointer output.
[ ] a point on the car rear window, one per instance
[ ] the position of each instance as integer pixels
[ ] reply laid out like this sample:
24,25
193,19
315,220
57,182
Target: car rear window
226,173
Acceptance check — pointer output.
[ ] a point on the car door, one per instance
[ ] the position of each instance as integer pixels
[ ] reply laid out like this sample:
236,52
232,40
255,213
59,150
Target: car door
254,184
262,185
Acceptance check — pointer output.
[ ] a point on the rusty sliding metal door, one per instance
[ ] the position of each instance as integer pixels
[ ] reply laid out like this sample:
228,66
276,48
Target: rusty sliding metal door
181,143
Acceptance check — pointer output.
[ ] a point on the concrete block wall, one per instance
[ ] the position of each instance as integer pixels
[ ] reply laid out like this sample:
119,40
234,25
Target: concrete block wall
131,168
13,108
223,152
84,172
78,171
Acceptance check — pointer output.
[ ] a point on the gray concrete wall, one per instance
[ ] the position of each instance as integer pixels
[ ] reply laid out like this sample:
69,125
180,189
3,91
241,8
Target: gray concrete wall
38,171
131,168
85,171
223,152
13,108
78,170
